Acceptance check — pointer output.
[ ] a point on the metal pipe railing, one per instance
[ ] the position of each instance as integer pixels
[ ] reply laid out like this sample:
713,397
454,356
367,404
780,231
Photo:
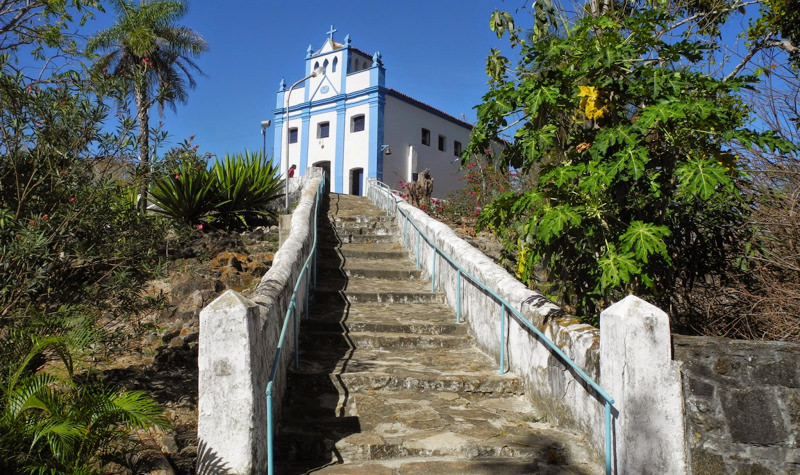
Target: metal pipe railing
380,193
291,311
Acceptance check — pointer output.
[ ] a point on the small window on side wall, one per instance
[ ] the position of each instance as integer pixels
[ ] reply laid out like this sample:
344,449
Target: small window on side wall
456,148
442,141
293,135
357,124
323,130
426,137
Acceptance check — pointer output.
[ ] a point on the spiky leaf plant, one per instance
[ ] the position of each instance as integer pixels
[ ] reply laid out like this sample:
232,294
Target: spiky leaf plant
245,185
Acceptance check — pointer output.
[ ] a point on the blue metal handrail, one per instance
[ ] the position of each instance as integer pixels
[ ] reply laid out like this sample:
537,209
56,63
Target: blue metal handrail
382,195
292,310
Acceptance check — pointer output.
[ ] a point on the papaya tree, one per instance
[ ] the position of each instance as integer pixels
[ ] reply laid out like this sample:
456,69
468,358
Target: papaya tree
638,187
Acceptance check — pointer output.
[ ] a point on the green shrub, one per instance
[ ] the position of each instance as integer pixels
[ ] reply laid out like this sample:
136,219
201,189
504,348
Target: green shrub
186,196
52,422
245,186
236,192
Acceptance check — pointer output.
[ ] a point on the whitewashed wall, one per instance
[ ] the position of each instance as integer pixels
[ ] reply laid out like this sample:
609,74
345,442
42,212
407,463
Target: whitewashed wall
238,337
403,127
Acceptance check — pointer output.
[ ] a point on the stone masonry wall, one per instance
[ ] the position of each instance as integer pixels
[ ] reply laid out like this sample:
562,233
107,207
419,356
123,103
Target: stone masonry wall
742,403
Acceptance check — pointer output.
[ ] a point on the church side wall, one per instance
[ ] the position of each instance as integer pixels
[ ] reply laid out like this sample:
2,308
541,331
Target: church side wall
403,129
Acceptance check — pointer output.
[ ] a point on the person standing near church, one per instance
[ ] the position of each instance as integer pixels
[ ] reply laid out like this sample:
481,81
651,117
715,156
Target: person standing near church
291,171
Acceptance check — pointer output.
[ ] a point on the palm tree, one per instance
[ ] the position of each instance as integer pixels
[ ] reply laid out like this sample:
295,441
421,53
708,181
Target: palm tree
154,57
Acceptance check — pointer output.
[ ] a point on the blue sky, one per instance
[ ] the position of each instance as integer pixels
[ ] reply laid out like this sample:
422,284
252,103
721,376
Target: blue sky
433,51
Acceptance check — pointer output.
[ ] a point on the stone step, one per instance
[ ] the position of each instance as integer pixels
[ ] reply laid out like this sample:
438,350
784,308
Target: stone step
374,426
439,466
412,318
339,290
358,238
338,297
460,369
365,224
328,250
383,340
387,269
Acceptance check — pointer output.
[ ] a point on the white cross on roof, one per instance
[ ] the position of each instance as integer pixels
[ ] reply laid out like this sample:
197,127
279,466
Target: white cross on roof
331,32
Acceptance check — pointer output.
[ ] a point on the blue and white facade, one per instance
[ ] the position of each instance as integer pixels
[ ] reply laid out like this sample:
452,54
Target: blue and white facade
346,121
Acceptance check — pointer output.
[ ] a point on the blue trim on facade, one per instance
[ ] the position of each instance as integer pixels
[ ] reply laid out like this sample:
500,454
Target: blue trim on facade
341,127
330,100
277,144
375,162
303,139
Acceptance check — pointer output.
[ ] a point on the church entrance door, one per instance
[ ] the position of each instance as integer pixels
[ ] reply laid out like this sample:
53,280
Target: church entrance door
356,178
326,167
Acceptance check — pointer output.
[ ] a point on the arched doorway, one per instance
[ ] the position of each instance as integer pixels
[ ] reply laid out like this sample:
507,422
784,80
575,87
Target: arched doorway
326,167
356,181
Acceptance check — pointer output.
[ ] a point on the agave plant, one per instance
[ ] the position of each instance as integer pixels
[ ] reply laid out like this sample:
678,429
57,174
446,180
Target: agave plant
53,423
245,185
185,195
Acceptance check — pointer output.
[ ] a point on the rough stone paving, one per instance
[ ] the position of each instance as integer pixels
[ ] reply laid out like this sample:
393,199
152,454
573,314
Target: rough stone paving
388,383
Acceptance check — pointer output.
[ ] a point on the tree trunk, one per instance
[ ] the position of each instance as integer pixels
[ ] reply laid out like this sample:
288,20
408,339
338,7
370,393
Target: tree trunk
143,169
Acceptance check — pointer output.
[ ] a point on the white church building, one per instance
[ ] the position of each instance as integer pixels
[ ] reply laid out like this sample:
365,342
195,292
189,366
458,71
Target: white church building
346,121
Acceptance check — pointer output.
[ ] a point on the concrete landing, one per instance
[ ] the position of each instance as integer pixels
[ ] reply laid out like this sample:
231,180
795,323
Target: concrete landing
388,383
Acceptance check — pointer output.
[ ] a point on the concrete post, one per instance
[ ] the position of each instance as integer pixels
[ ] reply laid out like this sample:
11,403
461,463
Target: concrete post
232,403
637,370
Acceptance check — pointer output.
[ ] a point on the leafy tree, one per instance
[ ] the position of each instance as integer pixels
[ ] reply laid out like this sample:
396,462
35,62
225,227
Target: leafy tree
638,187
72,251
155,58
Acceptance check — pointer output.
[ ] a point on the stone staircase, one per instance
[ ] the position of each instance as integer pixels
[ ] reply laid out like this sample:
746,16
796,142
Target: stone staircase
388,383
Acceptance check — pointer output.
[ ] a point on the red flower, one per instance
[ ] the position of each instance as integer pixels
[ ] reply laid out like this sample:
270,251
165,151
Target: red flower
73,199
177,176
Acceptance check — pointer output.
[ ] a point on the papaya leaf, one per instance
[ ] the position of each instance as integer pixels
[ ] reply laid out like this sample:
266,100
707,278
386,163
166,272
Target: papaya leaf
644,240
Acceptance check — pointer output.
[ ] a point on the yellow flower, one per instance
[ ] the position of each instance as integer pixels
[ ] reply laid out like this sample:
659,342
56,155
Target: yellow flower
591,97
522,262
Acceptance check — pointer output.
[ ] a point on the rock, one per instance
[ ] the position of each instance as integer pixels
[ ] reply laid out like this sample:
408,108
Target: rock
170,335
189,307
191,337
159,466
229,259
183,284
168,444
189,451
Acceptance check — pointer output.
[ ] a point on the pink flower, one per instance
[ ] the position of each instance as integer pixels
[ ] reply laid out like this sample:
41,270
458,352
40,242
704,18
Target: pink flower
177,176
199,227
72,199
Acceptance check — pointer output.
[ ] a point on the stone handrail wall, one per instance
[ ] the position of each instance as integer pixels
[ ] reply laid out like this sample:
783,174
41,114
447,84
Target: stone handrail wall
238,338
633,364
742,404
